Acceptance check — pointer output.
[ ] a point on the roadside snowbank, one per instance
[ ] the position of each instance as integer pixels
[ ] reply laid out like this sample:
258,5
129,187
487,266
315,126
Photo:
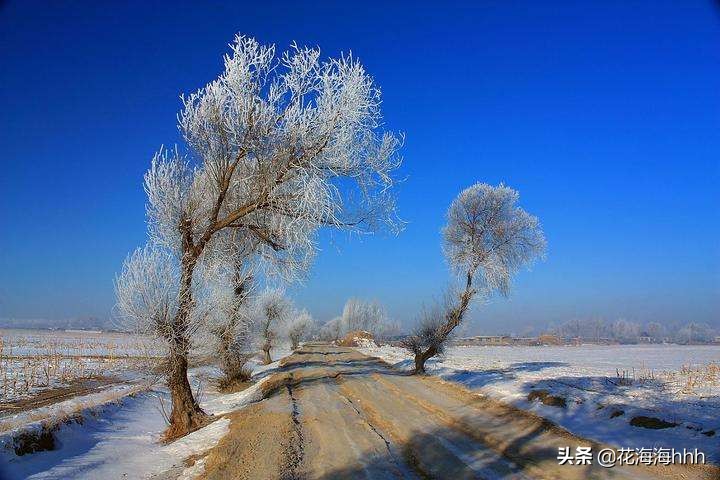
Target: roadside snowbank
121,440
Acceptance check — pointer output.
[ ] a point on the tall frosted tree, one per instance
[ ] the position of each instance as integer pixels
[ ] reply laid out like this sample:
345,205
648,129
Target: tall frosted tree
486,240
278,146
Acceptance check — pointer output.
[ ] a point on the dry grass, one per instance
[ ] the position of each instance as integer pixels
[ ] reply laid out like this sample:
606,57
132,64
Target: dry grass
689,380
236,377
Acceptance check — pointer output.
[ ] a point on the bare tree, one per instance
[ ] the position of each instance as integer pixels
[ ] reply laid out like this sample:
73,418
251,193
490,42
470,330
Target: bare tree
298,328
487,239
278,147
270,317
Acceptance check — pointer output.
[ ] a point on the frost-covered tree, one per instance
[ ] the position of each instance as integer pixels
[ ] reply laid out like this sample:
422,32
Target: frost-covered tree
230,322
332,330
364,316
597,328
486,240
147,291
655,331
625,331
572,328
299,327
694,333
278,146
270,317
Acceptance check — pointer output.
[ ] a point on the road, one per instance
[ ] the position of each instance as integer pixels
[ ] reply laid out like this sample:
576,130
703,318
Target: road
333,413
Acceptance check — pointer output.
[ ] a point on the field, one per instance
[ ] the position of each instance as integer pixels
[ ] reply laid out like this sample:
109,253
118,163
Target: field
35,361
597,391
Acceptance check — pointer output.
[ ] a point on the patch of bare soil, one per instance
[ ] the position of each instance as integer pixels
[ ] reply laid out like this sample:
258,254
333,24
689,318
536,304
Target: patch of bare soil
78,387
256,444
547,398
333,413
651,422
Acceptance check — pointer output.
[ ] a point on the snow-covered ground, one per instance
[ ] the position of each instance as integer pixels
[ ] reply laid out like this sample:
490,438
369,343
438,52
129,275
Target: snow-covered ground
120,439
604,387
32,361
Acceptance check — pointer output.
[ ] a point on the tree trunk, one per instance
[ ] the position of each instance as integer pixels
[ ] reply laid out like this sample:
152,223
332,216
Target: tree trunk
453,318
266,351
228,358
186,414
421,358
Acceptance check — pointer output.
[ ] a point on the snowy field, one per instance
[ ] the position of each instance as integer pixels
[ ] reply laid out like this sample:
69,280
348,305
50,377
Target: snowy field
33,361
603,388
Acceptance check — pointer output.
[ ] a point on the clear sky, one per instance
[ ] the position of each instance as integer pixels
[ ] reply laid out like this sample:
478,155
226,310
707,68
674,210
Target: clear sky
605,115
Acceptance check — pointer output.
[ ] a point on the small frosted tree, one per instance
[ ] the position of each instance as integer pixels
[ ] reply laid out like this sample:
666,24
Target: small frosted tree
486,240
278,146
332,330
625,331
270,318
300,324
230,321
655,331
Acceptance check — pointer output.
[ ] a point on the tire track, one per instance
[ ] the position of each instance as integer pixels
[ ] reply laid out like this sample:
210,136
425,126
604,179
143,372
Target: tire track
294,452
410,470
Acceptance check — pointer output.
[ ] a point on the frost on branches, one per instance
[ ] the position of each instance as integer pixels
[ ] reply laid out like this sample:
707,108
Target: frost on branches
278,146
299,328
271,314
486,240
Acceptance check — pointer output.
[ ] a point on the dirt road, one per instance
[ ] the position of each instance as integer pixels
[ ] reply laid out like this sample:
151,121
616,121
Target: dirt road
333,413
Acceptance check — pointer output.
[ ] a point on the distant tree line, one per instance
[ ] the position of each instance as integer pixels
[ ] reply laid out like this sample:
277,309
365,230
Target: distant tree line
625,331
359,315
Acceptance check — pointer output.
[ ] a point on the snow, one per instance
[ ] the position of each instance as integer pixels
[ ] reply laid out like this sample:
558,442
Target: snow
587,377
81,343
121,439
32,361
12,423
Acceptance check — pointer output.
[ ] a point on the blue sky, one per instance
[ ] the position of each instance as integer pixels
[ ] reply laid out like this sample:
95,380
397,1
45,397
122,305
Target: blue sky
604,115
